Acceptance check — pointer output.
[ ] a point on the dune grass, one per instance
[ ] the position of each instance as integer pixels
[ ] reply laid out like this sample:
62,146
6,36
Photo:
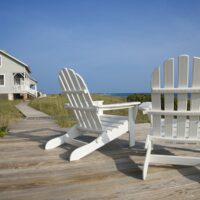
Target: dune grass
8,114
54,105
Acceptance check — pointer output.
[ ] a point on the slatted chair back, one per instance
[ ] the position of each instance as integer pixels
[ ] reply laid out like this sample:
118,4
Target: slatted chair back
80,101
181,122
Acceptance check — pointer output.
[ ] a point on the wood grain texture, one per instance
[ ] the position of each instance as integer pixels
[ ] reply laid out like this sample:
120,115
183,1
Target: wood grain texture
183,74
27,171
195,103
156,100
169,98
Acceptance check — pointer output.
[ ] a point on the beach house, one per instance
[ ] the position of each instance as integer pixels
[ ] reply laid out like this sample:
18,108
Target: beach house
15,79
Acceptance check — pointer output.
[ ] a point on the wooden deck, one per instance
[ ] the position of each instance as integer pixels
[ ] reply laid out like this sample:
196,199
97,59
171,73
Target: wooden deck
31,113
27,171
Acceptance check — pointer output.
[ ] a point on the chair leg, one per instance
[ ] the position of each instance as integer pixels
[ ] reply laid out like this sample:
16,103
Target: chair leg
147,142
85,150
147,158
100,141
53,143
132,113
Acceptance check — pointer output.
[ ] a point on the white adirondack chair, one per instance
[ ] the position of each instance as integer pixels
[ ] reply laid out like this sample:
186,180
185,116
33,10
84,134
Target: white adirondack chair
170,125
90,118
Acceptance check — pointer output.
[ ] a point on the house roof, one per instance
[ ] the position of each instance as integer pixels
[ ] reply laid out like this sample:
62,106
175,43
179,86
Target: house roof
16,60
34,80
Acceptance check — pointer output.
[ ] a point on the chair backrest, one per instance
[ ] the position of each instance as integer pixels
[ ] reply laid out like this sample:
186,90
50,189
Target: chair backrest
80,100
181,122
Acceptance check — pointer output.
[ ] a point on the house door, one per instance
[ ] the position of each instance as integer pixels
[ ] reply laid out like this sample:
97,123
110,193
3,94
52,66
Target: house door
18,79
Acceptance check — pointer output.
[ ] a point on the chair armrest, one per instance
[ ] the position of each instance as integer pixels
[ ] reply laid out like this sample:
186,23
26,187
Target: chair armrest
98,103
100,107
118,106
145,107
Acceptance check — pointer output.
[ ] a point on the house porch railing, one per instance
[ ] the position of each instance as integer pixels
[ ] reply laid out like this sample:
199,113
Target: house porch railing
24,89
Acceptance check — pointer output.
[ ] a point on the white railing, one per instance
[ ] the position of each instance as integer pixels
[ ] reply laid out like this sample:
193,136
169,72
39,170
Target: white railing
33,92
24,89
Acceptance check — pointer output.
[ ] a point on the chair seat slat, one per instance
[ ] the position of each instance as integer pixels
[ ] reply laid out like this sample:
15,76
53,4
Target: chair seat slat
106,117
175,140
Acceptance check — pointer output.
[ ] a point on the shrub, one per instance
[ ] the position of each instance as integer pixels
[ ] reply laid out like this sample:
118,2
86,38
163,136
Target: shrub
139,97
8,114
147,97
3,131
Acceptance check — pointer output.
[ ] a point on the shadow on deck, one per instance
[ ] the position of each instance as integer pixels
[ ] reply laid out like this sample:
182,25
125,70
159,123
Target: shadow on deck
113,172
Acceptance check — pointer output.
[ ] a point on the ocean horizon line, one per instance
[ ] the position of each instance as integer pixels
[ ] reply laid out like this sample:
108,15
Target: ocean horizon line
122,94
117,94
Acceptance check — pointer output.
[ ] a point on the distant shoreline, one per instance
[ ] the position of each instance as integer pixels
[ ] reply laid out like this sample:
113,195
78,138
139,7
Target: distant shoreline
119,94
111,94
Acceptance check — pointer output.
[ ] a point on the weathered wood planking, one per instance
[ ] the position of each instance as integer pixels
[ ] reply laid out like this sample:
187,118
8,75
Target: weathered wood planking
27,171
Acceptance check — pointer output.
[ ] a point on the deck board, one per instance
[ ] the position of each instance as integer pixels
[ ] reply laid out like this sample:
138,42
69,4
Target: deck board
27,171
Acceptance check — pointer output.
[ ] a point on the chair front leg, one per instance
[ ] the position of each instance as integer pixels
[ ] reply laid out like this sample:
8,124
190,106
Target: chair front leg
132,113
66,138
147,158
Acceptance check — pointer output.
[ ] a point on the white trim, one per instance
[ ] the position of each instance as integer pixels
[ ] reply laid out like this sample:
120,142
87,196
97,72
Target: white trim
175,90
1,61
174,112
4,80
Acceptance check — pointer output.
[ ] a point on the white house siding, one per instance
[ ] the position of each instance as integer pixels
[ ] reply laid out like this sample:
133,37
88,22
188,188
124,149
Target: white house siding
8,67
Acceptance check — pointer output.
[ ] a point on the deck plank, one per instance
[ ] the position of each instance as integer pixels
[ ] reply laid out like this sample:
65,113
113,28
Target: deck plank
113,172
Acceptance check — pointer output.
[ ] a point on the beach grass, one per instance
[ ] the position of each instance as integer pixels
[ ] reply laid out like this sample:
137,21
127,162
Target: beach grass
54,105
8,114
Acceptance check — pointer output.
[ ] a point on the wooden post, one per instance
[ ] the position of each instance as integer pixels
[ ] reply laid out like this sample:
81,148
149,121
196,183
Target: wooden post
132,113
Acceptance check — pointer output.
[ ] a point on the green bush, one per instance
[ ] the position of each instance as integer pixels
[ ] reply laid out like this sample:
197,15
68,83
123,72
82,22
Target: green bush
8,114
3,131
147,97
139,97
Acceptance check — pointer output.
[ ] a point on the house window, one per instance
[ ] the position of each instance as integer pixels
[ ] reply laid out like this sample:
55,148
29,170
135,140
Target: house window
2,80
0,61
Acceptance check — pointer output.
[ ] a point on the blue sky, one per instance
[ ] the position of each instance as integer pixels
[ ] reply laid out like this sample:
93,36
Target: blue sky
113,44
